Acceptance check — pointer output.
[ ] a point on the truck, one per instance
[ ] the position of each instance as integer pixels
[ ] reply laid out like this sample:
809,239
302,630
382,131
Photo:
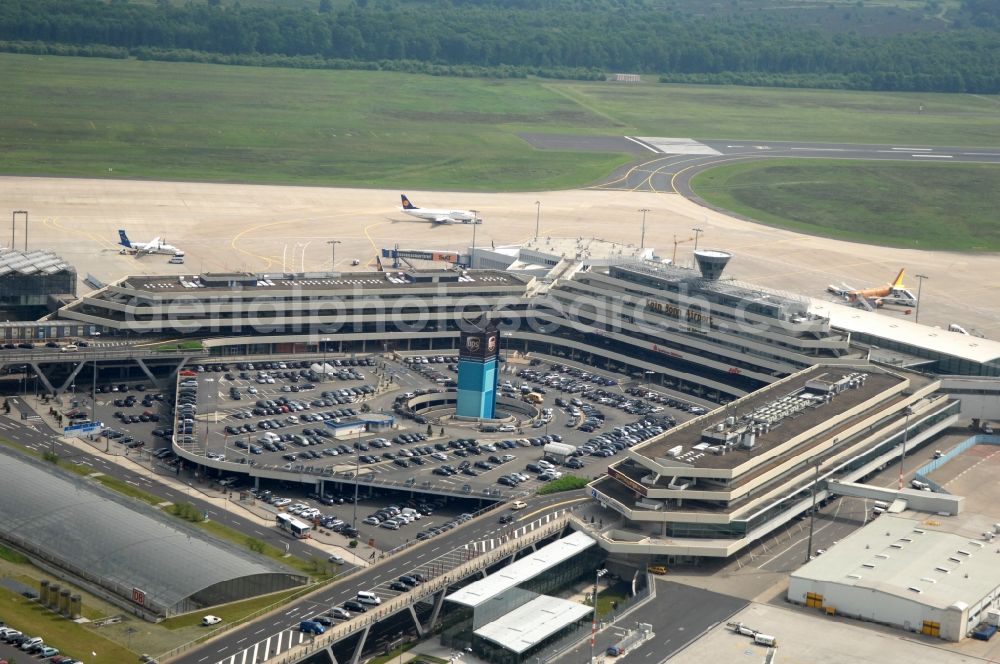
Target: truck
533,397
984,632
559,450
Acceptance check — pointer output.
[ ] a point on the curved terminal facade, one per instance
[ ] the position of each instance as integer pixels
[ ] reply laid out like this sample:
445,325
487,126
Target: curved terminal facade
717,483
712,339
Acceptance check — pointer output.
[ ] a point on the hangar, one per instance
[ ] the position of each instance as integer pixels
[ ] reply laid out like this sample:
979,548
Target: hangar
901,572
122,550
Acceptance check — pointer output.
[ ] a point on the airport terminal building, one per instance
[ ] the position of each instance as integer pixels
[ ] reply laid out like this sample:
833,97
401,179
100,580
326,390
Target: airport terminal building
690,331
713,485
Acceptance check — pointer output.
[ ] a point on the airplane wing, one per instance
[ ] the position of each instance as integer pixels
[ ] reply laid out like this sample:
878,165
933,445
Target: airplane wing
443,219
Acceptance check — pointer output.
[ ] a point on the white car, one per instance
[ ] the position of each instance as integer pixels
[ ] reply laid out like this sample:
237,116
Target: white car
210,620
518,505
281,502
339,560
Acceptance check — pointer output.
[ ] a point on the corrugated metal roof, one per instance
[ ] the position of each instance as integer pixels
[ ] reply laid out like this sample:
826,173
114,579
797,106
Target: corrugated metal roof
522,570
901,557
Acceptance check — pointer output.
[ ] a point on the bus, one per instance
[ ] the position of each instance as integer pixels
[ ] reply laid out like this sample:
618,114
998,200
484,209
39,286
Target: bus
292,525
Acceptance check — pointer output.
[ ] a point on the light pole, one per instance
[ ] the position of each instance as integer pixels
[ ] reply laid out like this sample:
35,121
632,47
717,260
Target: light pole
538,216
357,471
324,341
333,253
13,222
507,336
812,514
906,430
642,238
593,626
920,288
472,254
697,232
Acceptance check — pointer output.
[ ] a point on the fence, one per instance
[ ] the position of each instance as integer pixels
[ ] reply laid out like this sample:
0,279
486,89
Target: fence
572,639
922,473
433,586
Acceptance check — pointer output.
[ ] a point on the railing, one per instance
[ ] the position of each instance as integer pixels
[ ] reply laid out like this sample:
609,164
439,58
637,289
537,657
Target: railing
173,652
425,590
572,639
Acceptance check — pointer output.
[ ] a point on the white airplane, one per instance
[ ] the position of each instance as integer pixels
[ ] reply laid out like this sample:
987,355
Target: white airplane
154,246
439,216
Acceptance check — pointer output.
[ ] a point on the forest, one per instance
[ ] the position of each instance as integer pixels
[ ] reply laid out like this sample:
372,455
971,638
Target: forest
515,38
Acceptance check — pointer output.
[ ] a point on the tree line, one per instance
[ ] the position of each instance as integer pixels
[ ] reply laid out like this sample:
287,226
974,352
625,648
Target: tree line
560,38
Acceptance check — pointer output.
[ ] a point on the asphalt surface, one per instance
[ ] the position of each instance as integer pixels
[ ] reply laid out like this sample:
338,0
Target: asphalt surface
33,434
678,614
663,171
277,632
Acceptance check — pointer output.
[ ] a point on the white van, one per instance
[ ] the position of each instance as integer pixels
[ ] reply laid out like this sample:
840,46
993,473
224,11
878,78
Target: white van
371,598
68,348
177,258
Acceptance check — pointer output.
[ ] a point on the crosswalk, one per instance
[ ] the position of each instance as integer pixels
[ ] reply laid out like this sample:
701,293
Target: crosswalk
268,648
274,645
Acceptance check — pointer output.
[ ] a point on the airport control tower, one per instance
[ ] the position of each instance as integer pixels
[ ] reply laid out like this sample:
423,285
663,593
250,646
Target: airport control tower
478,370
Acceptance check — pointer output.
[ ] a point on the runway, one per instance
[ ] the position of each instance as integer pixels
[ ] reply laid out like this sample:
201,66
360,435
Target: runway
669,164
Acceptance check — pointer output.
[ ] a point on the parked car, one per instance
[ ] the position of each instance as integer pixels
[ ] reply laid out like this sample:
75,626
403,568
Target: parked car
355,606
340,612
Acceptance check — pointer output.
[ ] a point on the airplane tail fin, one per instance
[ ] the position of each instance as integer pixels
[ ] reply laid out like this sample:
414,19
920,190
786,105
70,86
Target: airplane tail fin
898,283
407,205
123,239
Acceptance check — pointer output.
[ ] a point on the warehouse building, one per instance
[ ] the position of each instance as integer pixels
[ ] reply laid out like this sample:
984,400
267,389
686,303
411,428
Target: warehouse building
901,572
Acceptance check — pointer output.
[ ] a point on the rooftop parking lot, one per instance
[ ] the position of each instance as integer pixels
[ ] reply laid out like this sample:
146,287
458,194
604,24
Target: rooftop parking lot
287,416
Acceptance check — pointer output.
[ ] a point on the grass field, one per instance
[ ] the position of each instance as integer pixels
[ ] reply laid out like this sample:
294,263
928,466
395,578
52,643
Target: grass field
71,638
126,489
124,118
232,612
921,206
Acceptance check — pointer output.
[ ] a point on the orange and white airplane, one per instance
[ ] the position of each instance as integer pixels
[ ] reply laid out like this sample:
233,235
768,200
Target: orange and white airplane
872,298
